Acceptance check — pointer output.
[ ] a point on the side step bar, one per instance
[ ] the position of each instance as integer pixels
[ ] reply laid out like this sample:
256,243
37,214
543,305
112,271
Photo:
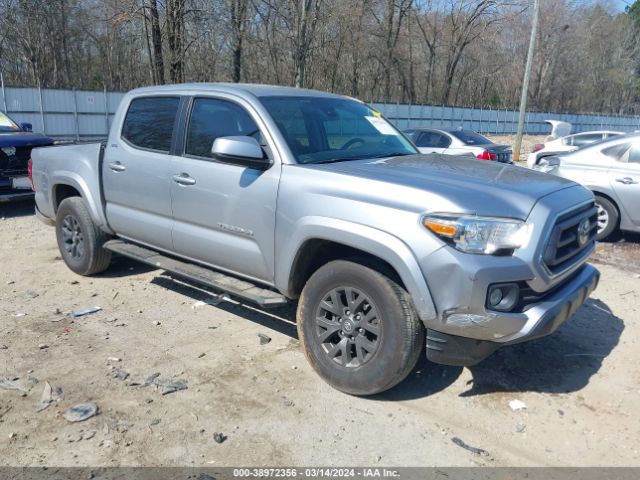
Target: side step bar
196,273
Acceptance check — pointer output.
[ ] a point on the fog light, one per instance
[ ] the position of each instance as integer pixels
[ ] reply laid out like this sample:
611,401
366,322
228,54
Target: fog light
503,297
495,297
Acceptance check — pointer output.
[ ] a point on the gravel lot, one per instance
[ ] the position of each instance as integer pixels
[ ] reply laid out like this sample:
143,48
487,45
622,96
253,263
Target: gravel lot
580,385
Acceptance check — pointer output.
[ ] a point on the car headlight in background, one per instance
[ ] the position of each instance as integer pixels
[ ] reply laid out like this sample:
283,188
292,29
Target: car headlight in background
484,235
547,164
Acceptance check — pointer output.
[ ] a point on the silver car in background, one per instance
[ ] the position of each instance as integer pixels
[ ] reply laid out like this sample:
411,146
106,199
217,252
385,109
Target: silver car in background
567,144
611,170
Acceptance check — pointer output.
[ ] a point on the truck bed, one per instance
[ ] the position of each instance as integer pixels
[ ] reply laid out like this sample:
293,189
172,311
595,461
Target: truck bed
79,166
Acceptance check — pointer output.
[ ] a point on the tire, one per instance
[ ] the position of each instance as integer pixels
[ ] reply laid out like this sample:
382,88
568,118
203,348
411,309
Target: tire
608,218
79,240
367,350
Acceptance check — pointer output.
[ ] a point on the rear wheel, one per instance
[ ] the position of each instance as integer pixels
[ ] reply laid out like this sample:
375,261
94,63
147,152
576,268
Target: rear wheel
358,328
79,240
608,218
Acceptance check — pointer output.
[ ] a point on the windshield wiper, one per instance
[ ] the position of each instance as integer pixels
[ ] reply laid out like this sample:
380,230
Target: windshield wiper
359,157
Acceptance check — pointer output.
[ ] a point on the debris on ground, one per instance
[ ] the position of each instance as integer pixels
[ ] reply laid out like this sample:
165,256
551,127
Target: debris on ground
520,427
264,339
201,355
20,314
154,422
43,346
114,359
170,386
46,398
219,437
87,311
121,374
87,435
474,450
11,384
81,412
3,347
214,300
517,405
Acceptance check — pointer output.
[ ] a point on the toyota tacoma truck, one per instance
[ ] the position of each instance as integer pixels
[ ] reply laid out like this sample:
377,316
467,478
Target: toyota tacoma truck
273,194
16,142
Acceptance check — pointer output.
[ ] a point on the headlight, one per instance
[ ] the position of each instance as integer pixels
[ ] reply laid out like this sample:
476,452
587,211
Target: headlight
486,235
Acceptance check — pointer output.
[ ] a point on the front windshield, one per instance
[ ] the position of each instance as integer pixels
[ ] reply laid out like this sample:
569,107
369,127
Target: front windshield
322,129
7,125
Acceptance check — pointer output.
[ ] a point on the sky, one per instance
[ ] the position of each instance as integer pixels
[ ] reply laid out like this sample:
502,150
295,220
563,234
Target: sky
620,4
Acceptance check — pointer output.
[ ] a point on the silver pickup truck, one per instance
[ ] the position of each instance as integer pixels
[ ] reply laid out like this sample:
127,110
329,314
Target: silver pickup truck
274,194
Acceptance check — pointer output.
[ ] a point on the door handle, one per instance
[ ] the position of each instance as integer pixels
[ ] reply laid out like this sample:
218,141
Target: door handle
117,167
184,179
626,180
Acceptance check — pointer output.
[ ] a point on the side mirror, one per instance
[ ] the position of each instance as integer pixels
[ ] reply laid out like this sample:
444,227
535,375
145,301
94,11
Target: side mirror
27,127
240,150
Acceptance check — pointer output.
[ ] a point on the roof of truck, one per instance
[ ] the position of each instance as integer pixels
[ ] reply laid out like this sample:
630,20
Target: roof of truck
257,90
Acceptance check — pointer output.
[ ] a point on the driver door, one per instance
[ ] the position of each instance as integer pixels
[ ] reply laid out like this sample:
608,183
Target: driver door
224,214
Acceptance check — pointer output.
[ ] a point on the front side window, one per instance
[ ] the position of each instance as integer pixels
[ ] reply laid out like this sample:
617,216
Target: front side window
212,118
325,129
149,122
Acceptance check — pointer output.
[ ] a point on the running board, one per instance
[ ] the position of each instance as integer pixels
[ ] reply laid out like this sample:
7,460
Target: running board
196,273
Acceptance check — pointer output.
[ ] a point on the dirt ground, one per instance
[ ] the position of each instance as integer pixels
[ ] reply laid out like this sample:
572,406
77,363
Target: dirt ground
580,386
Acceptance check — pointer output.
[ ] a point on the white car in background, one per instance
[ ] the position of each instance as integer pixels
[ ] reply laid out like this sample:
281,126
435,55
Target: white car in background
563,142
457,141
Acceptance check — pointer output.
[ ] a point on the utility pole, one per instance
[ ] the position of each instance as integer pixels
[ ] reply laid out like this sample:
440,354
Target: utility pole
525,80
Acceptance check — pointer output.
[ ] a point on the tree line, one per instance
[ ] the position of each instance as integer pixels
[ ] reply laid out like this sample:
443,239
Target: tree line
451,52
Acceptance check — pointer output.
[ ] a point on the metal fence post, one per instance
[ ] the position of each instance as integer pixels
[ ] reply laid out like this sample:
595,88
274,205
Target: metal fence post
106,110
75,115
41,109
4,97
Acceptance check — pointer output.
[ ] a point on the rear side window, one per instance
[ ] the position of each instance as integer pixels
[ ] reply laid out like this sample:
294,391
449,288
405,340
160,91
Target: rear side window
580,140
212,118
433,140
149,122
617,151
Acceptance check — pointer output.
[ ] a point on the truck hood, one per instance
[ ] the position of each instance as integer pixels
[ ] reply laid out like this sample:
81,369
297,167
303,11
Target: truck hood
24,139
458,183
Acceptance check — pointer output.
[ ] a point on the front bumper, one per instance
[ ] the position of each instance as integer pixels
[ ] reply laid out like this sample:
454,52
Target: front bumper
541,319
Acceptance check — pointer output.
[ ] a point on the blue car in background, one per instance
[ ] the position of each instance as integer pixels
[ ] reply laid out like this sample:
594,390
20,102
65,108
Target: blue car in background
16,142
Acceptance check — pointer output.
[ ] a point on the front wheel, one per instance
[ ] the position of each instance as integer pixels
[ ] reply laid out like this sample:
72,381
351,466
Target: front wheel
358,328
608,218
79,240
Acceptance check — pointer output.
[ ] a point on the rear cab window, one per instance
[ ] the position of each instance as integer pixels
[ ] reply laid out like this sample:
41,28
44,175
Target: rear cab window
149,123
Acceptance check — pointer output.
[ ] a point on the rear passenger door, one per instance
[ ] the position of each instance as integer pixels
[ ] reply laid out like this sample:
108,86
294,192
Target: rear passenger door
135,172
224,214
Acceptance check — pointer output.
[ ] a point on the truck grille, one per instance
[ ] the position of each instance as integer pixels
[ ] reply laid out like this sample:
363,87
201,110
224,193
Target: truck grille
573,233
